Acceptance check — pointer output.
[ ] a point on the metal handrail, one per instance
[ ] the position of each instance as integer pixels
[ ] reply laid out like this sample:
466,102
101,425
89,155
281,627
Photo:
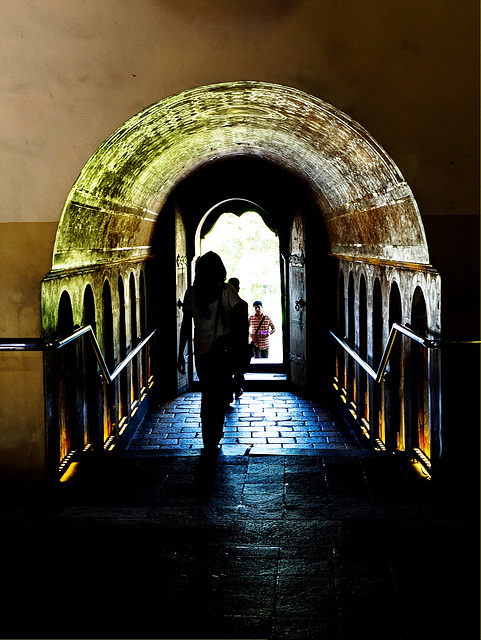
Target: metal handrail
37,344
131,356
396,328
23,344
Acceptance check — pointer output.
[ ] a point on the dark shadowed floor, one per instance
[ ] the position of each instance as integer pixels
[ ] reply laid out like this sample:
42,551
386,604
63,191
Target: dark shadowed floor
296,532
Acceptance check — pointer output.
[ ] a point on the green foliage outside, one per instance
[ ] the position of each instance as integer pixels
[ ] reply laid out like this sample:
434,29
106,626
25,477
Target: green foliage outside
250,252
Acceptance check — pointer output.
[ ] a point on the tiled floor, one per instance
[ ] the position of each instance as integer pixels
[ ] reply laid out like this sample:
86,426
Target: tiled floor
272,542
258,423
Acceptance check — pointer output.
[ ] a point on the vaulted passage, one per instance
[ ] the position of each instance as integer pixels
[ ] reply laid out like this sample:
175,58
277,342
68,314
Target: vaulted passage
299,529
352,248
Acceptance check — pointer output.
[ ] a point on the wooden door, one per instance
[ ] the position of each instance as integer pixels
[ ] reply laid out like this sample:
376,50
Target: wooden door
297,302
182,279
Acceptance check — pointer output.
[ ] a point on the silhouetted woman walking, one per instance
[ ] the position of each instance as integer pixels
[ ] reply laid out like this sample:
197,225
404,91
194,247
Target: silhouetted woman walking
220,318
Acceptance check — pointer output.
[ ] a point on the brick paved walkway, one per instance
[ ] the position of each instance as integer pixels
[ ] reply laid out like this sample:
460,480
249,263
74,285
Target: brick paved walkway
274,541
267,422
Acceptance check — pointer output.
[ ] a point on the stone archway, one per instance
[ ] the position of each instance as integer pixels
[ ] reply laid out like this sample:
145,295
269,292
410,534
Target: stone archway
127,192
368,209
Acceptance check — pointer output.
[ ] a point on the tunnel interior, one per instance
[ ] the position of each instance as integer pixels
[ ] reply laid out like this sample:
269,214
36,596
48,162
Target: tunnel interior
237,185
337,202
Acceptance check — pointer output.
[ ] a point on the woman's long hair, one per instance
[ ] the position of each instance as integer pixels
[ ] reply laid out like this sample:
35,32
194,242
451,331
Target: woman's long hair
210,274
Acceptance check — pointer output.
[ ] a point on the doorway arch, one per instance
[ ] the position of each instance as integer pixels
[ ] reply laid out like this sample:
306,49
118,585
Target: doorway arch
67,384
367,207
333,193
237,206
248,244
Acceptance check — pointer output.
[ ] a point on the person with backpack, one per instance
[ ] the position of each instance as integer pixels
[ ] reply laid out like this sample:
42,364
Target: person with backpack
220,320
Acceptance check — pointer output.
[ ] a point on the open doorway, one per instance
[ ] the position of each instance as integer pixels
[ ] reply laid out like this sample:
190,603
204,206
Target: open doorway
250,252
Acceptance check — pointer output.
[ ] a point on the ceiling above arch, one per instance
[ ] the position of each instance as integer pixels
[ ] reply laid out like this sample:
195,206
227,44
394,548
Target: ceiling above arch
367,207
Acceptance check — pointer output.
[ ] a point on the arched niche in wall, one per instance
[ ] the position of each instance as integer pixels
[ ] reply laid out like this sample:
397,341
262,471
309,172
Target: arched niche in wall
143,331
90,387
395,376
363,399
368,209
123,378
341,324
352,313
420,427
109,352
134,394
66,382
377,351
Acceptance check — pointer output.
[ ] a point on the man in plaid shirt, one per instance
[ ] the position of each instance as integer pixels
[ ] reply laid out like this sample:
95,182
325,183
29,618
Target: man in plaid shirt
260,328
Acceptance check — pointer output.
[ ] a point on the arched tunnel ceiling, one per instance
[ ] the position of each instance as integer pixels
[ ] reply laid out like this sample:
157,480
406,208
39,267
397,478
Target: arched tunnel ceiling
112,209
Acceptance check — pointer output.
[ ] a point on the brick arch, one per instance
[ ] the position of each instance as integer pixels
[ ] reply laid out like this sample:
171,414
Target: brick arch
368,209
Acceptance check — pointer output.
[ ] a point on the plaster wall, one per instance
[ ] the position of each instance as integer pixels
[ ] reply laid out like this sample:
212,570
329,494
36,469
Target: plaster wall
22,421
71,73
26,254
